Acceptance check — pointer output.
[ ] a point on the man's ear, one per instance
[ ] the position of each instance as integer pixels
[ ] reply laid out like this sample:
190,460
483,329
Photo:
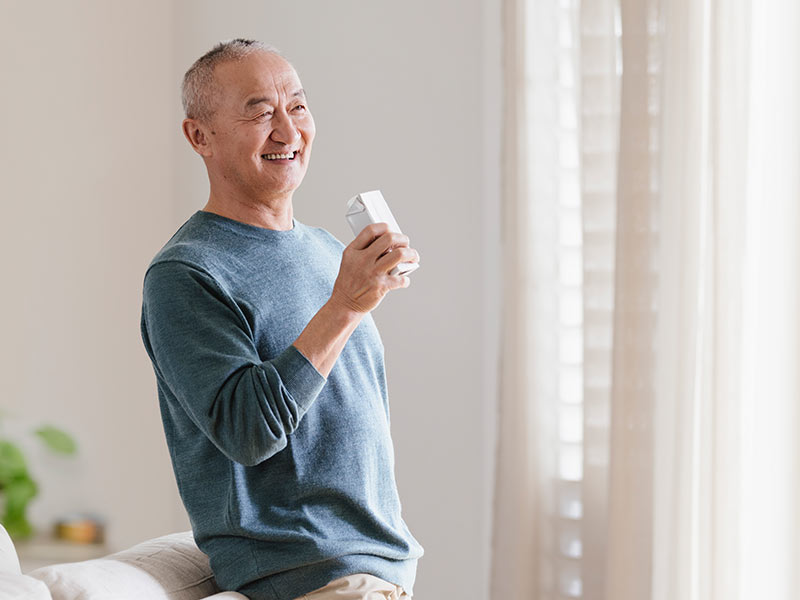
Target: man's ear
199,136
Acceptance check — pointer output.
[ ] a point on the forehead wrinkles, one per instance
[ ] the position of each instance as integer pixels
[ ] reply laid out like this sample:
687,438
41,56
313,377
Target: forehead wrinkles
243,80
277,86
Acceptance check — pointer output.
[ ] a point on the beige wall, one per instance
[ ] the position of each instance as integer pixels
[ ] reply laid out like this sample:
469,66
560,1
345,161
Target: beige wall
406,98
86,200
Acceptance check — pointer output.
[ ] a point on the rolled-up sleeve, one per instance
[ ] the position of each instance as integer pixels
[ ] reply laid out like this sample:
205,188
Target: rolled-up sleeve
204,353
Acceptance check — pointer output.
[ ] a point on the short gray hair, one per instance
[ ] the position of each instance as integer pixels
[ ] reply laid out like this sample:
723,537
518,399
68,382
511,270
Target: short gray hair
199,88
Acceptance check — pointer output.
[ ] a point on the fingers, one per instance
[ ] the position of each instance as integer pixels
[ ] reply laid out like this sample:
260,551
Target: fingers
369,234
387,243
378,238
364,277
398,255
395,282
403,281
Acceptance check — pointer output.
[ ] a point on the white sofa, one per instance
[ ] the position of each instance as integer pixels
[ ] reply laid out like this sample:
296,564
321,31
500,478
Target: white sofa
171,567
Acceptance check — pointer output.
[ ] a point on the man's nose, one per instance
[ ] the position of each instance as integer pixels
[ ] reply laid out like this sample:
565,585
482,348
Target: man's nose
284,129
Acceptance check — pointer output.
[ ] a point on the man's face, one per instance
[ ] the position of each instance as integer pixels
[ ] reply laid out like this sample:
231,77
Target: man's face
261,117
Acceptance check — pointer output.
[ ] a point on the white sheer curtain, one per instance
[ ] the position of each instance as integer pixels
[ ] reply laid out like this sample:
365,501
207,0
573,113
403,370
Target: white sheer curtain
649,419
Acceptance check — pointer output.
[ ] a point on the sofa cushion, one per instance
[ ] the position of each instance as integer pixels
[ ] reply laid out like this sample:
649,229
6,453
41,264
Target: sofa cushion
171,567
18,586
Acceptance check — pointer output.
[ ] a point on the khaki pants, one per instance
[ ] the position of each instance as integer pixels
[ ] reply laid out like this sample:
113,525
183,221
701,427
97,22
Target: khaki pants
358,587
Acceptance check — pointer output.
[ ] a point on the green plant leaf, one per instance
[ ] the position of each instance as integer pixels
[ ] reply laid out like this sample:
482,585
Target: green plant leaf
18,493
16,521
12,463
57,440
18,527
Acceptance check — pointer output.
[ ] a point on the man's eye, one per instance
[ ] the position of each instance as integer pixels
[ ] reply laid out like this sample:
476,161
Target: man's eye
265,115
299,108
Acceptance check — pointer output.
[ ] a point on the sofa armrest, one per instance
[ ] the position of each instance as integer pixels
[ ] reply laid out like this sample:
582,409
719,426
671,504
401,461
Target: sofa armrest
9,561
171,567
18,586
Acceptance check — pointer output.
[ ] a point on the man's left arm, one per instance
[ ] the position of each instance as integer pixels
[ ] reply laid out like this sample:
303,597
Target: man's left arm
362,283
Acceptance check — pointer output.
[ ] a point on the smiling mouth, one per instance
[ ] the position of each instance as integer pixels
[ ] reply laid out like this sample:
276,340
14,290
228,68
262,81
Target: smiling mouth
289,156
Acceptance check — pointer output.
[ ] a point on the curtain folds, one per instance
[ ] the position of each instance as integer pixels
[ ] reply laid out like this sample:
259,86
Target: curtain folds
671,130
513,554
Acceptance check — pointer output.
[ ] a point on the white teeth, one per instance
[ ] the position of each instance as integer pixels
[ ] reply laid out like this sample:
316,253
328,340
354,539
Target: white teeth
278,156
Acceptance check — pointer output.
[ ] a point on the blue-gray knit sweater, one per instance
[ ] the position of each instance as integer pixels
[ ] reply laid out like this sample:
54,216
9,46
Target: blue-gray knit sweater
288,478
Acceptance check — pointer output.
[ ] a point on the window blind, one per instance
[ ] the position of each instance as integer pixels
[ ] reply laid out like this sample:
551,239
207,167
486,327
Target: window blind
574,68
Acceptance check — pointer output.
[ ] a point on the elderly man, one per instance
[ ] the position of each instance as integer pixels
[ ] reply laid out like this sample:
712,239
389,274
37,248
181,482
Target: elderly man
269,366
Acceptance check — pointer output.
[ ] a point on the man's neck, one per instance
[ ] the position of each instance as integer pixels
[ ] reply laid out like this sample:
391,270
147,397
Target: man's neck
273,213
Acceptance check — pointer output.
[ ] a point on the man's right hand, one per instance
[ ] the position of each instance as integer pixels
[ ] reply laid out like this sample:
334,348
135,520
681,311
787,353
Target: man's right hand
364,278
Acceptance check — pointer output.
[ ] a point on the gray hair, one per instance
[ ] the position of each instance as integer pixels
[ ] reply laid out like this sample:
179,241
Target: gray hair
199,88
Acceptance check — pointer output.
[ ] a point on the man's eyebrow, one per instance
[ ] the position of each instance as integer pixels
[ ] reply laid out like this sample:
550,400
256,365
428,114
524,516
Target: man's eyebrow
301,93
259,100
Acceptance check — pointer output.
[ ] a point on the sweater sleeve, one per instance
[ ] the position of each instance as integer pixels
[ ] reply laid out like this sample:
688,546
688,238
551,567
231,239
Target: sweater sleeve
203,351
